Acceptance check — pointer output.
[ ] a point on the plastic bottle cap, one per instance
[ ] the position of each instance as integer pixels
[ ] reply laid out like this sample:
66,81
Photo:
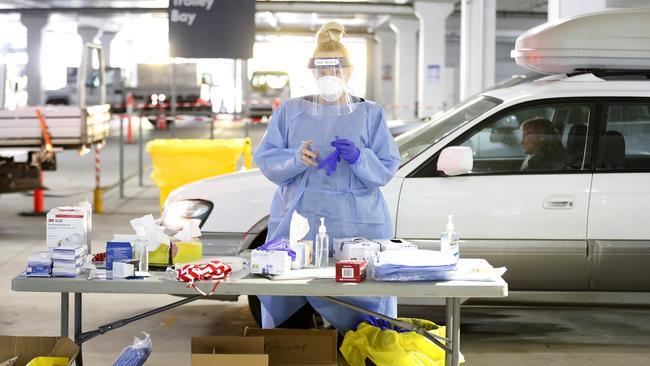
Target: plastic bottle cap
322,229
450,224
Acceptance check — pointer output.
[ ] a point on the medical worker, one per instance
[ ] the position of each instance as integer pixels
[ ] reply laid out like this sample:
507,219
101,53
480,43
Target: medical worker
329,154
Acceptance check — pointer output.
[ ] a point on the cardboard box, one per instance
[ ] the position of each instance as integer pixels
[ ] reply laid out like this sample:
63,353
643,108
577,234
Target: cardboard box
239,351
117,251
32,347
351,271
291,347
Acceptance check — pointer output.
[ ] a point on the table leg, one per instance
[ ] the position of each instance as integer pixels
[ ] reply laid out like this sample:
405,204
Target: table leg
77,327
65,313
449,325
455,334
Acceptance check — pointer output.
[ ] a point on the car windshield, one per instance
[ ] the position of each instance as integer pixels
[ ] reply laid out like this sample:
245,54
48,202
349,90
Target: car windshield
414,142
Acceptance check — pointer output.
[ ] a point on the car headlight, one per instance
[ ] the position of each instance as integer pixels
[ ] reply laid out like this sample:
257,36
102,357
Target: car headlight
176,212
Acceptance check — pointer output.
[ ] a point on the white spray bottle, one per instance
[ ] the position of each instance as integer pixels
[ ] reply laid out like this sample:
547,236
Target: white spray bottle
322,243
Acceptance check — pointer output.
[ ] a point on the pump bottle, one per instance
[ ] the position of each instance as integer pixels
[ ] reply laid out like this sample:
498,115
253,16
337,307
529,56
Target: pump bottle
449,239
322,243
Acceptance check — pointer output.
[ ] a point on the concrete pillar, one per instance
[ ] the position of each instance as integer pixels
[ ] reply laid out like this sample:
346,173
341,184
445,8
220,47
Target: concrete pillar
34,24
477,44
106,38
88,34
559,9
406,76
385,70
432,44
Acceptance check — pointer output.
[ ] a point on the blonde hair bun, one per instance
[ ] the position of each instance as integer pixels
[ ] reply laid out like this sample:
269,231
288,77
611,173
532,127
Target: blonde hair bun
330,32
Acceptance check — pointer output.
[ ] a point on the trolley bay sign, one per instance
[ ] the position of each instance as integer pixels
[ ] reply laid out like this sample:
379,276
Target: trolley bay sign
211,28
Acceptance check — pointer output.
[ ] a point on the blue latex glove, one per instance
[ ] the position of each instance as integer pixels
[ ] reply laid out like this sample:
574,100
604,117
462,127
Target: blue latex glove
330,161
349,152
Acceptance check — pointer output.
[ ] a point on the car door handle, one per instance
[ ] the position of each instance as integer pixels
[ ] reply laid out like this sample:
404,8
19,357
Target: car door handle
559,203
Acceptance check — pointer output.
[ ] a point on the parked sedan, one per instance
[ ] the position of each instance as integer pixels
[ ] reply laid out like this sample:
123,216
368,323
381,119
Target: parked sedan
577,230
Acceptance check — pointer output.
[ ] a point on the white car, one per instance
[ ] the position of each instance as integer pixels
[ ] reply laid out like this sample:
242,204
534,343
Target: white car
574,232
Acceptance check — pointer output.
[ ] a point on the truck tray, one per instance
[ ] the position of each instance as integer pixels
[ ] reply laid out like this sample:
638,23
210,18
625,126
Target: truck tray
69,126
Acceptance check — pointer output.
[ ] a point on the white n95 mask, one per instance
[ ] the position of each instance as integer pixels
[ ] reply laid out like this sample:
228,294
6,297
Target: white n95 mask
330,88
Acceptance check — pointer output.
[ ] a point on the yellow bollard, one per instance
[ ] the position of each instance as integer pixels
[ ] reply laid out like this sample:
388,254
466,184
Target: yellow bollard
99,201
248,162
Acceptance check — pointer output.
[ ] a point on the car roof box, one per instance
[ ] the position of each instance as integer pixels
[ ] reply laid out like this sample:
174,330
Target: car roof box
612,40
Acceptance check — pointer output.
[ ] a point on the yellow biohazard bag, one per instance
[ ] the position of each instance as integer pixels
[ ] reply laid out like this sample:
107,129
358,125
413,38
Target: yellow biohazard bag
391,348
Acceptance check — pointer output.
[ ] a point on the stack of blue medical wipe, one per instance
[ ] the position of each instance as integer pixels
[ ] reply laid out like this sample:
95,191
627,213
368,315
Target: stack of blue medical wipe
413,265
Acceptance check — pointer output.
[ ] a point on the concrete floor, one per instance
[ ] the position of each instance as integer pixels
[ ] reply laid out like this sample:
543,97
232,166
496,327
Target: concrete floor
490,335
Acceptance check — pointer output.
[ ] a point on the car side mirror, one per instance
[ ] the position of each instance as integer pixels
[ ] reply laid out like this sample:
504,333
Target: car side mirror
456,160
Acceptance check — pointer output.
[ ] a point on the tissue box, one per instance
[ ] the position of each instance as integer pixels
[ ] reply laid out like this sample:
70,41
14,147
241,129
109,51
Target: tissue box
184,252
395,244
355,248
160,256
304,254
271,262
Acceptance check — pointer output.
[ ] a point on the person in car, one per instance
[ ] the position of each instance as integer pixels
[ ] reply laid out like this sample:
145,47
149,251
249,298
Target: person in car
543,145
329,154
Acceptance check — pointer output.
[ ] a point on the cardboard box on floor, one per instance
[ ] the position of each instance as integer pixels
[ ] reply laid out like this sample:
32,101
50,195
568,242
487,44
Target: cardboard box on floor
29,348
209,351
291,347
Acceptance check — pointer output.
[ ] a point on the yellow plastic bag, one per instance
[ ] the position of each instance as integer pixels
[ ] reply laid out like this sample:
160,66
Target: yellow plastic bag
180,161
48,361
390,348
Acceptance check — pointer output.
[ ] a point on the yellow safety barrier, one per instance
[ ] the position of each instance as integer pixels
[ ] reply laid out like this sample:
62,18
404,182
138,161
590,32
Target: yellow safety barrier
177,162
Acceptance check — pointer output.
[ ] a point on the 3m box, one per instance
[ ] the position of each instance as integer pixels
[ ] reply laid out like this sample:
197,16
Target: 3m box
239,351
67,226
291,347
31,347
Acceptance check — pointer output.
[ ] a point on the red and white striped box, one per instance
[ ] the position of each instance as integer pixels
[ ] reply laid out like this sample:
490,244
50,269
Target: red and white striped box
351,270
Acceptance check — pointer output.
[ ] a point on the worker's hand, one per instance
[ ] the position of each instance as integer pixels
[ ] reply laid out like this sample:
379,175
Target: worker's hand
349,152
308,156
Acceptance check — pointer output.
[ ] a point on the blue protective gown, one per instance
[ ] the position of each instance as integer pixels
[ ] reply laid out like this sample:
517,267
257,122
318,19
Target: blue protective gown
349,199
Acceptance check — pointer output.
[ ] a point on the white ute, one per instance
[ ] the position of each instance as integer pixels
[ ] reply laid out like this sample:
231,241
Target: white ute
576,232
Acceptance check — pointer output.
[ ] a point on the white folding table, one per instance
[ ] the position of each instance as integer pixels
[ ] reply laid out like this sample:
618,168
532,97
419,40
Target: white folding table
244,283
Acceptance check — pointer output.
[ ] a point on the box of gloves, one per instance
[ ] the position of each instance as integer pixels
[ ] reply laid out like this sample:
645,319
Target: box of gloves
270,262
67,261
354,248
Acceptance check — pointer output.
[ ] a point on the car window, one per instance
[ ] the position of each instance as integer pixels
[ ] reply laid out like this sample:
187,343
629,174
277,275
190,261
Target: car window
541,138
414,142
624,142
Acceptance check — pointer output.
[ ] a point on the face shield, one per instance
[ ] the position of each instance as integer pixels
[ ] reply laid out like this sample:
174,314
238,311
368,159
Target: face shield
333,98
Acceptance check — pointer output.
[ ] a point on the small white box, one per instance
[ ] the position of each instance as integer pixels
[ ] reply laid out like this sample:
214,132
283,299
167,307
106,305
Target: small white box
395,244
271,262
123,270
355,248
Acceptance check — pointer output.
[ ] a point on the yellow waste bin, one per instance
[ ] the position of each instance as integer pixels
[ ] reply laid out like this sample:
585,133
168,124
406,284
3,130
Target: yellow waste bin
177,162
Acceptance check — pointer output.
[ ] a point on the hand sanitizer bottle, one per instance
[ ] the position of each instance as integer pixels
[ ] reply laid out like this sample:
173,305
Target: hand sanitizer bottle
322,243
449,240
